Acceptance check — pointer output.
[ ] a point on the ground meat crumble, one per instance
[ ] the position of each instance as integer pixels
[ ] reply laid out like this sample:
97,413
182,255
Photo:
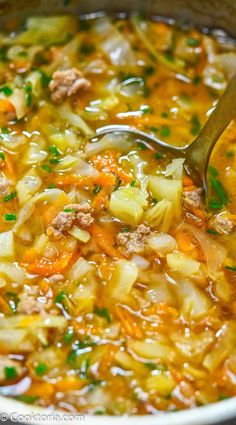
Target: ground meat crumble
134,241
73,214
192,198
66,83
222,223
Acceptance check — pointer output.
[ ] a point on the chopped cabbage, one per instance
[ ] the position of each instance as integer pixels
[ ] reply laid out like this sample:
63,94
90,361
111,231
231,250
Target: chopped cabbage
123,278
162,384
171,190
175,168
225,343
28,186
161,243
80,269
182,264
114,43
47,30
160,215
18,100
7,245
151,349
12,272
127,204
75,120
80,234
194,304
118,141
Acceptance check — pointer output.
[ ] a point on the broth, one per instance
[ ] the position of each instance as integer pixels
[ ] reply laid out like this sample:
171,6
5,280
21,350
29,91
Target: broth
117,279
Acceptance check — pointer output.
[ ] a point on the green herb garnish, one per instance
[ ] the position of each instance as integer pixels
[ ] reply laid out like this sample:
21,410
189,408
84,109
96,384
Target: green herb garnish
212,232
158,155
142,146
60,297
54,161
68,336
146,109
196,125
133,183
6,90
53,149
9,197
216,185
118,185
2,156
45,79
41,369
97,189
165,131
192,42
46,168
28,95
10,217
10,372
197,80
87,48
103,312
231,268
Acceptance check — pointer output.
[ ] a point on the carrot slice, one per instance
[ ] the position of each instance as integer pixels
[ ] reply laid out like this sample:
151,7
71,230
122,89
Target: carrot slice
44,267
105,240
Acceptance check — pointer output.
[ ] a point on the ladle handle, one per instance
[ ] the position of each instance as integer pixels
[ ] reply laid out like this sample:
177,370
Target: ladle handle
198,153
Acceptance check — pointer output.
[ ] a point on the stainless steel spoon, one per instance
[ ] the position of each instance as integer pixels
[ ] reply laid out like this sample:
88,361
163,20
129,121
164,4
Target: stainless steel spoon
197,154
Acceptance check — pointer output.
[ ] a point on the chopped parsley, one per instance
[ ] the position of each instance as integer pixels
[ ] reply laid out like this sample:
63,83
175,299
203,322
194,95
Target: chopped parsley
97,189
142,146
10,372
54,160
197,80
6,90
9,197
87,48
68,336
53,149
212,232
231,268
45,79
60,297
192,42
165,131
158,155
118,184
103,312
221,195
146,109
2,156
133,183
10,217
46,168
41,369
195,125
28,95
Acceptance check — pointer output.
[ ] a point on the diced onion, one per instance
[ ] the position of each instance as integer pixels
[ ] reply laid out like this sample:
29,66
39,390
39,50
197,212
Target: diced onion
80,234
7,246
161,243
182,264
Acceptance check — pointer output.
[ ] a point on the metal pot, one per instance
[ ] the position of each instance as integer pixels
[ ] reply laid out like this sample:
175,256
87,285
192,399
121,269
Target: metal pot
213,14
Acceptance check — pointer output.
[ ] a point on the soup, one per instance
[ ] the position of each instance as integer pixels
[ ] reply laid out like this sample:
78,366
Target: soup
117,276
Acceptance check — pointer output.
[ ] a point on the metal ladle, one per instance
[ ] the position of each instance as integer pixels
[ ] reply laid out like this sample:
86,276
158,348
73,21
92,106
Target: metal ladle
197,154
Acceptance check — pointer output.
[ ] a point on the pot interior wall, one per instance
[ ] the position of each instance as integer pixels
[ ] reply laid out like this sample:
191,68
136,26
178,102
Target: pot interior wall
205,13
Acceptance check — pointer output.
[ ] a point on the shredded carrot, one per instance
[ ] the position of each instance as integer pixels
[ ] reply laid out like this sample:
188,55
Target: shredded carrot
187,181
109,161
101,200
52,211
44,267
105,240
44,287
129,323
70,383
107,358
41,389
9,167
106,179
184,241
4,306
6,106
72,180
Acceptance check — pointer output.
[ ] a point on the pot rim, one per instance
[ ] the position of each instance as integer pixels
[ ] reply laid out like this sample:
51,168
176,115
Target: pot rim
215,413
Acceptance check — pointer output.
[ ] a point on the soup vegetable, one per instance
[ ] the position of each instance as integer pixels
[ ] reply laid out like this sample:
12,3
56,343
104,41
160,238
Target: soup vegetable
117,279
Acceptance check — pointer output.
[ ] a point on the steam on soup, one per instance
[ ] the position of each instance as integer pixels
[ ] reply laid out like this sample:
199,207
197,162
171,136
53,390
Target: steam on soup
117,279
